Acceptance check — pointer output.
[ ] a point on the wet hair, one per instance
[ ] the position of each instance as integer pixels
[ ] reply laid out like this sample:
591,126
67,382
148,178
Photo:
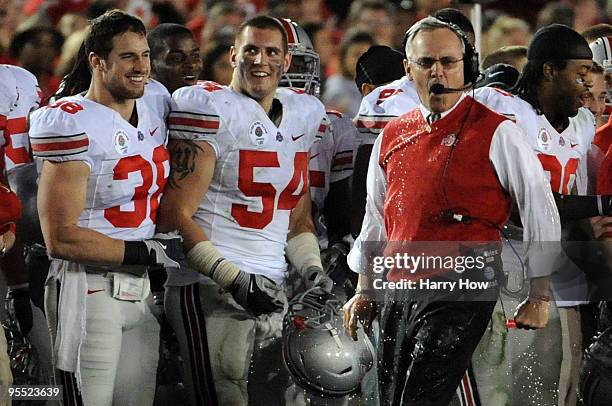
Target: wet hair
99,40
157,36
264,22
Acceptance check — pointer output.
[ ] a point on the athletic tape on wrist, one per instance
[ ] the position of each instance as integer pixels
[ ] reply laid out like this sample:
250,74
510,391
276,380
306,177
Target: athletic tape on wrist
206,259
303,252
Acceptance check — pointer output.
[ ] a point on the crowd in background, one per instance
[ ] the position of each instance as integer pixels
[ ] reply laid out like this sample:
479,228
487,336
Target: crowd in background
43,36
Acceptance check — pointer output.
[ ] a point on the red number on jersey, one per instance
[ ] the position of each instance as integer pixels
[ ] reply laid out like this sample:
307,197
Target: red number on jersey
67,106
288,199
19,155
249,160
141,199
560,177
385,94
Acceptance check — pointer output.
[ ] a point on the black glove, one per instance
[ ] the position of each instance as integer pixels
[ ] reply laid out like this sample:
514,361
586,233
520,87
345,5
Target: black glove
255,293
19,307
165,249
334,263
315,277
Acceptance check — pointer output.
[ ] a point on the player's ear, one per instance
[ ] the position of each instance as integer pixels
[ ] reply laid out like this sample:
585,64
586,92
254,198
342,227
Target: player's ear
286,63
407,69
548,71
96,62
233,56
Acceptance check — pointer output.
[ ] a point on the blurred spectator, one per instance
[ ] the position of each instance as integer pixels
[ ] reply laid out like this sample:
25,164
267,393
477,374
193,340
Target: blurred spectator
322,41
340,91
556,13
291,9
515,55
221,22
374,16
70,49
587,13
35,49
10,18
507,31
596,31
70,23
216,65
378,66
452,15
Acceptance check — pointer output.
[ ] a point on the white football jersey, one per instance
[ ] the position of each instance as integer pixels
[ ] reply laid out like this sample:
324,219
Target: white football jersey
382,105
561,154
261,170
17,146
8,99
331,158
128,165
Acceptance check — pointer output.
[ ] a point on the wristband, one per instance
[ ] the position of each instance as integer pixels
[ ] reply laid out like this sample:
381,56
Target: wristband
206,259
303,252
137,253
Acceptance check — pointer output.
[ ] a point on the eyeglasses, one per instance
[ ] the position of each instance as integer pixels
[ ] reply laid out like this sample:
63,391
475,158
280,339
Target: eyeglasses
447,62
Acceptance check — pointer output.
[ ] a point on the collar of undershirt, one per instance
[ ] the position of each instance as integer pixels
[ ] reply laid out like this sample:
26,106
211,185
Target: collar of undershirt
425,112
276,112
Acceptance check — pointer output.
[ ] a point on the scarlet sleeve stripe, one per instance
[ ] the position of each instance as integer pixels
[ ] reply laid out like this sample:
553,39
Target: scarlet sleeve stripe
342,161
56,146
190,122
17,125
317,178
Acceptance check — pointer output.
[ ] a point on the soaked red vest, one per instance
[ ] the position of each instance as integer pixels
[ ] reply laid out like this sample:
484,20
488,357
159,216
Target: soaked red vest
414,154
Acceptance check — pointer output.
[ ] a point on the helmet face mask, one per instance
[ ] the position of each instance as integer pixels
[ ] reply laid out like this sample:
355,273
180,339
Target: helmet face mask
304,72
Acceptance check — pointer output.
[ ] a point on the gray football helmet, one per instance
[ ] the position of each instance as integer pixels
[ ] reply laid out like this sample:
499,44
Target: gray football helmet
305,70
319,354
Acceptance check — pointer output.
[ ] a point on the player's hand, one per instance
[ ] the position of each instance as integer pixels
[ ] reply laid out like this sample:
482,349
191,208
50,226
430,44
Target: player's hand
601,225
18,301
166,249
315,277
531,314
256,293
6,242
361,308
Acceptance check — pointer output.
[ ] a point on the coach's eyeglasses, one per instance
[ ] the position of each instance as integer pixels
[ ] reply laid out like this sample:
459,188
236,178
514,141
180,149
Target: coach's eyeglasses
447,62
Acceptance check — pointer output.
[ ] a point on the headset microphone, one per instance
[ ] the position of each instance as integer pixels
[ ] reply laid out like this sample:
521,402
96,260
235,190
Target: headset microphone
438,88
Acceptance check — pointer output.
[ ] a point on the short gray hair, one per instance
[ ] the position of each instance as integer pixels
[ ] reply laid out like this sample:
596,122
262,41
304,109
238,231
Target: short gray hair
430,24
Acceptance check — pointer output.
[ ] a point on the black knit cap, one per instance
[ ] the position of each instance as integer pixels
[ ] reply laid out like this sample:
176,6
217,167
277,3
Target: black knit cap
500,75
558,42
379,65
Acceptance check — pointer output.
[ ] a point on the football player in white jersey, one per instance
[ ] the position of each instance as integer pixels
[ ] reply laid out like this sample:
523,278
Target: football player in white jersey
331,157
25,271
104,166
239,198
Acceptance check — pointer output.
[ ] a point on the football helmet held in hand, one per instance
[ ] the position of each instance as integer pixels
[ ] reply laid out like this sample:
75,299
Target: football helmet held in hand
317,350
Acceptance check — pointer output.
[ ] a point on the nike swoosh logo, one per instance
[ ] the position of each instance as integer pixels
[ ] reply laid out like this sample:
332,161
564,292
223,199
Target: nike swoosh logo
153,132
90,291
297,138
315,155
573,145
163,246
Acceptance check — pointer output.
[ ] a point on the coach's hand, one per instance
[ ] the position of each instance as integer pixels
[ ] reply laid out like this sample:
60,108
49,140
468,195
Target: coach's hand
256,293
361,308
531,314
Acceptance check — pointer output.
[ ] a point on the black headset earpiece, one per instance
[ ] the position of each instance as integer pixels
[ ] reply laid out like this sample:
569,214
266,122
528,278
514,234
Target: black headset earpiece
471,64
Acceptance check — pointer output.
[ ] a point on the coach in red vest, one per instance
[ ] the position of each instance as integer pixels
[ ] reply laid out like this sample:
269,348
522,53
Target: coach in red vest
447,171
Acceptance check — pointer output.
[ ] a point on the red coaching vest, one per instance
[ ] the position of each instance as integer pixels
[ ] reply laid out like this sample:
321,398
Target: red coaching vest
413,155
